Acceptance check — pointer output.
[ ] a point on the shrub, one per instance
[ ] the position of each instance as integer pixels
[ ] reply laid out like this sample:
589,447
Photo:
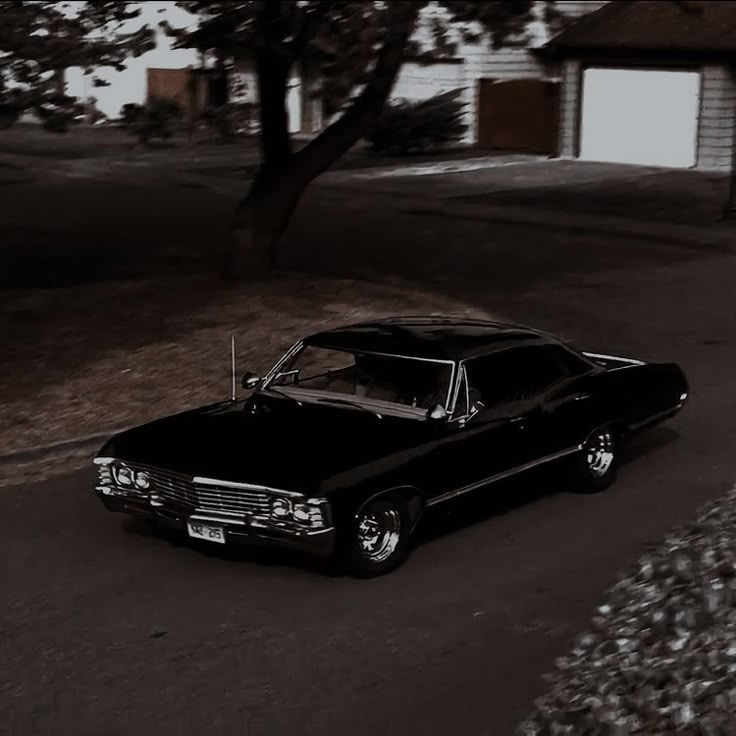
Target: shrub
229,121
413,127
156,119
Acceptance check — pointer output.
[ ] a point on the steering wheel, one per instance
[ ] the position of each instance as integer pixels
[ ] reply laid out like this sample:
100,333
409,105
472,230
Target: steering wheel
475,399
421,402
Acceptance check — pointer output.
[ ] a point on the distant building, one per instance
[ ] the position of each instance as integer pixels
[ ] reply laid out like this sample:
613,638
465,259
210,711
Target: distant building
131,85
517,116
650,82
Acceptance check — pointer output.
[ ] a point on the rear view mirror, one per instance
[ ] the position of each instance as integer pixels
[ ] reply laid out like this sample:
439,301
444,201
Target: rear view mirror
437,413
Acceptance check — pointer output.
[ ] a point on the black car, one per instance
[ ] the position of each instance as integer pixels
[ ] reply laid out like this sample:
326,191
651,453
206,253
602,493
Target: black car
356,431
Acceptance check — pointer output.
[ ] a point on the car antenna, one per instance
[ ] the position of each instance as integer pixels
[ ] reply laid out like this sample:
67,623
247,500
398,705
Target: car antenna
232,367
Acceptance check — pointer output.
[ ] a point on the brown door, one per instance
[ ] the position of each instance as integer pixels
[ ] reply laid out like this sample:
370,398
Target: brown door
519,115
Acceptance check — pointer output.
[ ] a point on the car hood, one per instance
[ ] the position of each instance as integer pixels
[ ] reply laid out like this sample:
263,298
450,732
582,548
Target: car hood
271,442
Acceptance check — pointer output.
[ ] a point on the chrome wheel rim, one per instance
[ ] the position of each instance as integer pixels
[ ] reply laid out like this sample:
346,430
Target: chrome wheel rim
600,453
379,531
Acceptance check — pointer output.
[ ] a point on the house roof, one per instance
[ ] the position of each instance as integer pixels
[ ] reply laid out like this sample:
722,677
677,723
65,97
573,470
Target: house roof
428,338
687,27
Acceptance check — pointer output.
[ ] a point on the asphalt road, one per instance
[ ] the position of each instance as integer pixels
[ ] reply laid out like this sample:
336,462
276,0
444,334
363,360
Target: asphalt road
107,629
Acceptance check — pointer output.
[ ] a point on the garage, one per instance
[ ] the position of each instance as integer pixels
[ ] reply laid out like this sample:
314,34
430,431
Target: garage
649,83
636,116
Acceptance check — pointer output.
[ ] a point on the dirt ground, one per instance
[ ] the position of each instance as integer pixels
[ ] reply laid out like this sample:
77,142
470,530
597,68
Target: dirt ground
125,352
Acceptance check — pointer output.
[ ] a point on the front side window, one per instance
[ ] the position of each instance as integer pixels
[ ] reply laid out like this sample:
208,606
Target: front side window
404,381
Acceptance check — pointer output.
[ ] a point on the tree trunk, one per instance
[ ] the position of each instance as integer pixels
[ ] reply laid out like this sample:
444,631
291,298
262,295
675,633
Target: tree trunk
263,215
260,220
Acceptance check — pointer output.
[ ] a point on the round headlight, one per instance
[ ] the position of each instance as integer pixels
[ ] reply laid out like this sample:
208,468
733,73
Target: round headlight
123,475
302,513
281,508
142,480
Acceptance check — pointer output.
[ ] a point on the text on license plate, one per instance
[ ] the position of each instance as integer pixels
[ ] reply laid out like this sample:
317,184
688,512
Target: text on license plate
210,532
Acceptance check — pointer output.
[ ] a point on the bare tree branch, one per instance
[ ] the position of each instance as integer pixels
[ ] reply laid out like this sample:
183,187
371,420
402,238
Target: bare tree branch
306,25
337,138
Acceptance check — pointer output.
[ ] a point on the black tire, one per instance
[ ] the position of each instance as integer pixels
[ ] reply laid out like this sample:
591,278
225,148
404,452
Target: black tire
378,541
596,465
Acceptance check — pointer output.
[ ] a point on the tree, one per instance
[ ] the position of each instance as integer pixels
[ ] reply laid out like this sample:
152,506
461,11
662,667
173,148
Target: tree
39,40
356,50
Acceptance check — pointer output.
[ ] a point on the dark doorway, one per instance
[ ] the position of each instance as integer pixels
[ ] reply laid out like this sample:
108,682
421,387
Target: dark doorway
519,115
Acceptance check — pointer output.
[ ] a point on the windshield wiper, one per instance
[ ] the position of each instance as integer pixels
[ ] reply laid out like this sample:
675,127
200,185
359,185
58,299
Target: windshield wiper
354,404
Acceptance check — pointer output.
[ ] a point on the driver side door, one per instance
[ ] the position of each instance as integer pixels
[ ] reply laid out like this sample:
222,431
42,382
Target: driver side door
480,442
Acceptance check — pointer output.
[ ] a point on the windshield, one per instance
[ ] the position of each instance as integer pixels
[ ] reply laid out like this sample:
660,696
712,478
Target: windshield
321,373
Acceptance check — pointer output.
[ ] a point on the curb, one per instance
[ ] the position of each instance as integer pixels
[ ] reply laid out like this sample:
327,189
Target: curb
87,442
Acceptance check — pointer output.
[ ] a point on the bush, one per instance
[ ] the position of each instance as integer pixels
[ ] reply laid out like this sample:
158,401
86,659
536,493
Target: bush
156,119
230,121
413,127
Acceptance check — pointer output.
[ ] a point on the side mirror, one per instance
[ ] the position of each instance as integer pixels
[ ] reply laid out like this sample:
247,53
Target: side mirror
251,381
437,413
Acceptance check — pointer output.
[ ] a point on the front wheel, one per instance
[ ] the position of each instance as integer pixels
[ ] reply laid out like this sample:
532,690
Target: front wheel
597,463
379,539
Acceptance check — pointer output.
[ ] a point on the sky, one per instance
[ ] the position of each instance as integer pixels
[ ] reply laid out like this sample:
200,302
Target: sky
130,85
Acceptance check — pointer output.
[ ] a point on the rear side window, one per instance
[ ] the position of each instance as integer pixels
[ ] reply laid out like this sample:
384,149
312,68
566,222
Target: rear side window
519,374
569,361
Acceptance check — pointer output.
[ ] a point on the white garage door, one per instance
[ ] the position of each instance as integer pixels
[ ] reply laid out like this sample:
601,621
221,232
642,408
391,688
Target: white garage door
420,82
640,117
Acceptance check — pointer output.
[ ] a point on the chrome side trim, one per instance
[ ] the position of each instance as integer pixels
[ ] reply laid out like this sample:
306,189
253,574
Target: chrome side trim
501,476
628,361
244,486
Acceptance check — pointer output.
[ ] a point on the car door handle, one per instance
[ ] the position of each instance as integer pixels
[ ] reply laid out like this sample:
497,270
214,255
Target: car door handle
580,397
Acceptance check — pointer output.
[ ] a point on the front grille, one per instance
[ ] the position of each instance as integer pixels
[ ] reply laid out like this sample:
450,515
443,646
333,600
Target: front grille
180,491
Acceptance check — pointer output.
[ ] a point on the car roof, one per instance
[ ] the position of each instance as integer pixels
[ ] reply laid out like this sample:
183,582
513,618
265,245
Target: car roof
429,338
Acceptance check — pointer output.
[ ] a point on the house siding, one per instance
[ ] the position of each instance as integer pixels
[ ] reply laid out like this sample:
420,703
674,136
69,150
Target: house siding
570,107
717,125
481,61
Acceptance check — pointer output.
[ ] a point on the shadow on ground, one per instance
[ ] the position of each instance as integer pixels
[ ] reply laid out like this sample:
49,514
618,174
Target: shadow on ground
683,197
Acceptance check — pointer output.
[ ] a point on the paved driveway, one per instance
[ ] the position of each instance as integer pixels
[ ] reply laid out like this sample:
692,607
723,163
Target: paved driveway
109,630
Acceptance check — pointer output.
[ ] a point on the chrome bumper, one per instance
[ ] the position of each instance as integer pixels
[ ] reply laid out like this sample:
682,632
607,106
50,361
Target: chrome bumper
240,530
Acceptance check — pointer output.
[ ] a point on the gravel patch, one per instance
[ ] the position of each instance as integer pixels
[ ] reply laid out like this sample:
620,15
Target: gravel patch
105,356
660,656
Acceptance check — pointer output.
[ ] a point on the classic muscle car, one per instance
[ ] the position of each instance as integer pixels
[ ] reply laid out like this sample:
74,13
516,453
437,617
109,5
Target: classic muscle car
341,447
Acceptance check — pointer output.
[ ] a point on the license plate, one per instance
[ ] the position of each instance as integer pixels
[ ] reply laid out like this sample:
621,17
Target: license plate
209,532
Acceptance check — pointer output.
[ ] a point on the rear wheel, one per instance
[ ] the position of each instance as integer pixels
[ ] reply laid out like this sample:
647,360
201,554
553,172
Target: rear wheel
379,539
597,463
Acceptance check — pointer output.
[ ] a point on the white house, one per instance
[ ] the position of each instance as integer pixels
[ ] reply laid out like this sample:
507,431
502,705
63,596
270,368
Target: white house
471,65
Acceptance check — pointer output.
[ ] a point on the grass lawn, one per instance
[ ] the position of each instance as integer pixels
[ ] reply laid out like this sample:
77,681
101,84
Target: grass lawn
110,355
